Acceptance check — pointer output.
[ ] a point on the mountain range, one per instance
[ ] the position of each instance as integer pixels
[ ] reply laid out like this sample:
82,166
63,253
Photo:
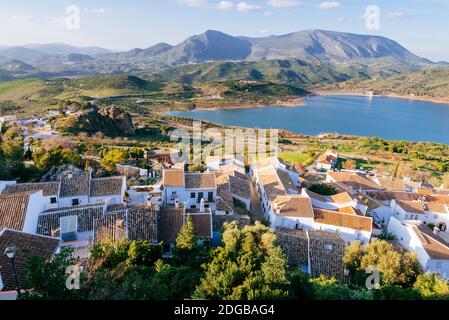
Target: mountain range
312,46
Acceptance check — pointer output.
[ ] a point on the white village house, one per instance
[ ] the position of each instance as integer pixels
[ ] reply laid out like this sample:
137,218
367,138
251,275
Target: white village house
431,250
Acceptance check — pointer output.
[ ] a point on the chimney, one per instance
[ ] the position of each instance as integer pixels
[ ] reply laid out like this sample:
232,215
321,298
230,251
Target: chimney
276,208
202,205
436,231
177,203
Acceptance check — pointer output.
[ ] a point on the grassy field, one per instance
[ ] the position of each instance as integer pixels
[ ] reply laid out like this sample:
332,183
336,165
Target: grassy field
294,157
18,88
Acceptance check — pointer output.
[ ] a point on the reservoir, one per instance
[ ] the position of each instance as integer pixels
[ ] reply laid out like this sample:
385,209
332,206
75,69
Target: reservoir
388,118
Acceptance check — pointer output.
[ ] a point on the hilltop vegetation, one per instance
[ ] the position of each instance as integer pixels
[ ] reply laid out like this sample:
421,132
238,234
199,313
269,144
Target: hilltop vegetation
430,83
37,95
293,71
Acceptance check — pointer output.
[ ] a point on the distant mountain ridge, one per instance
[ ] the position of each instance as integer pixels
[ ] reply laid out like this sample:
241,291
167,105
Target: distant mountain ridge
308,45
311,46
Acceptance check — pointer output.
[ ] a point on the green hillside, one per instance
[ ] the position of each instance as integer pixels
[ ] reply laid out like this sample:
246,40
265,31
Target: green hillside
293,72
430,83
35,95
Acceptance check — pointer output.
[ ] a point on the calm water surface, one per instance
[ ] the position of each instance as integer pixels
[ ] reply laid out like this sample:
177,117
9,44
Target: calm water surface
388,118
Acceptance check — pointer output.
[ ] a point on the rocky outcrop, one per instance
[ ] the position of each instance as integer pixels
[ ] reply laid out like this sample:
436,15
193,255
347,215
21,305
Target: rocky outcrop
110,120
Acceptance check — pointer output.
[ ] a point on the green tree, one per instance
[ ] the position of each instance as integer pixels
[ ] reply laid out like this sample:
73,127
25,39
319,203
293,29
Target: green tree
113,157
301,288
249,265
432,286
136,153
389,293
398,267
48,278
330,289
56,156
187,239
323,189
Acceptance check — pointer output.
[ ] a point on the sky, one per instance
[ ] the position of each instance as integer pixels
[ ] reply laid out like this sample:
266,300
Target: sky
419,25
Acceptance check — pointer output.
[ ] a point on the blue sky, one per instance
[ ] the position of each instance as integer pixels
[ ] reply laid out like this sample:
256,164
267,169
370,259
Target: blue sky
419,25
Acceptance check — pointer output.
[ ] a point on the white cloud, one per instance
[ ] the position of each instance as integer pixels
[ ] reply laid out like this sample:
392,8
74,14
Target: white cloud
329,5
194,3
284,3
396,14
341,19
226,5
22,18
98,10
268,13
245,6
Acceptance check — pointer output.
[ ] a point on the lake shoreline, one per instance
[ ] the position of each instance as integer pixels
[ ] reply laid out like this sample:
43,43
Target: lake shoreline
357,115
296,102
355,93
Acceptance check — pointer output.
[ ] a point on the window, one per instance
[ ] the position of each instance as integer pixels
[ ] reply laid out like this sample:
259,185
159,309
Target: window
68,226
193,207
200,196
206,206
173,193
192,195
53,200
210,197
166,248
75,202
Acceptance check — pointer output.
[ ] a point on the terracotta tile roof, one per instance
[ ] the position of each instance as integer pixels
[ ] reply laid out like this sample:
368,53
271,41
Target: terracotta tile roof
203,225
231,167
73,185
350,210
115,207
170,222
390,195
49,221
285,179
173,178
316,196
271,183
225,200
343,220
341,198
411,206
219,220
267,162
392,184
200,181
424,191
434,245
354,180
240,187
240,175
134,223
437,207
106,186
221,178
48,188
28,245
13,209
326,159
294,206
